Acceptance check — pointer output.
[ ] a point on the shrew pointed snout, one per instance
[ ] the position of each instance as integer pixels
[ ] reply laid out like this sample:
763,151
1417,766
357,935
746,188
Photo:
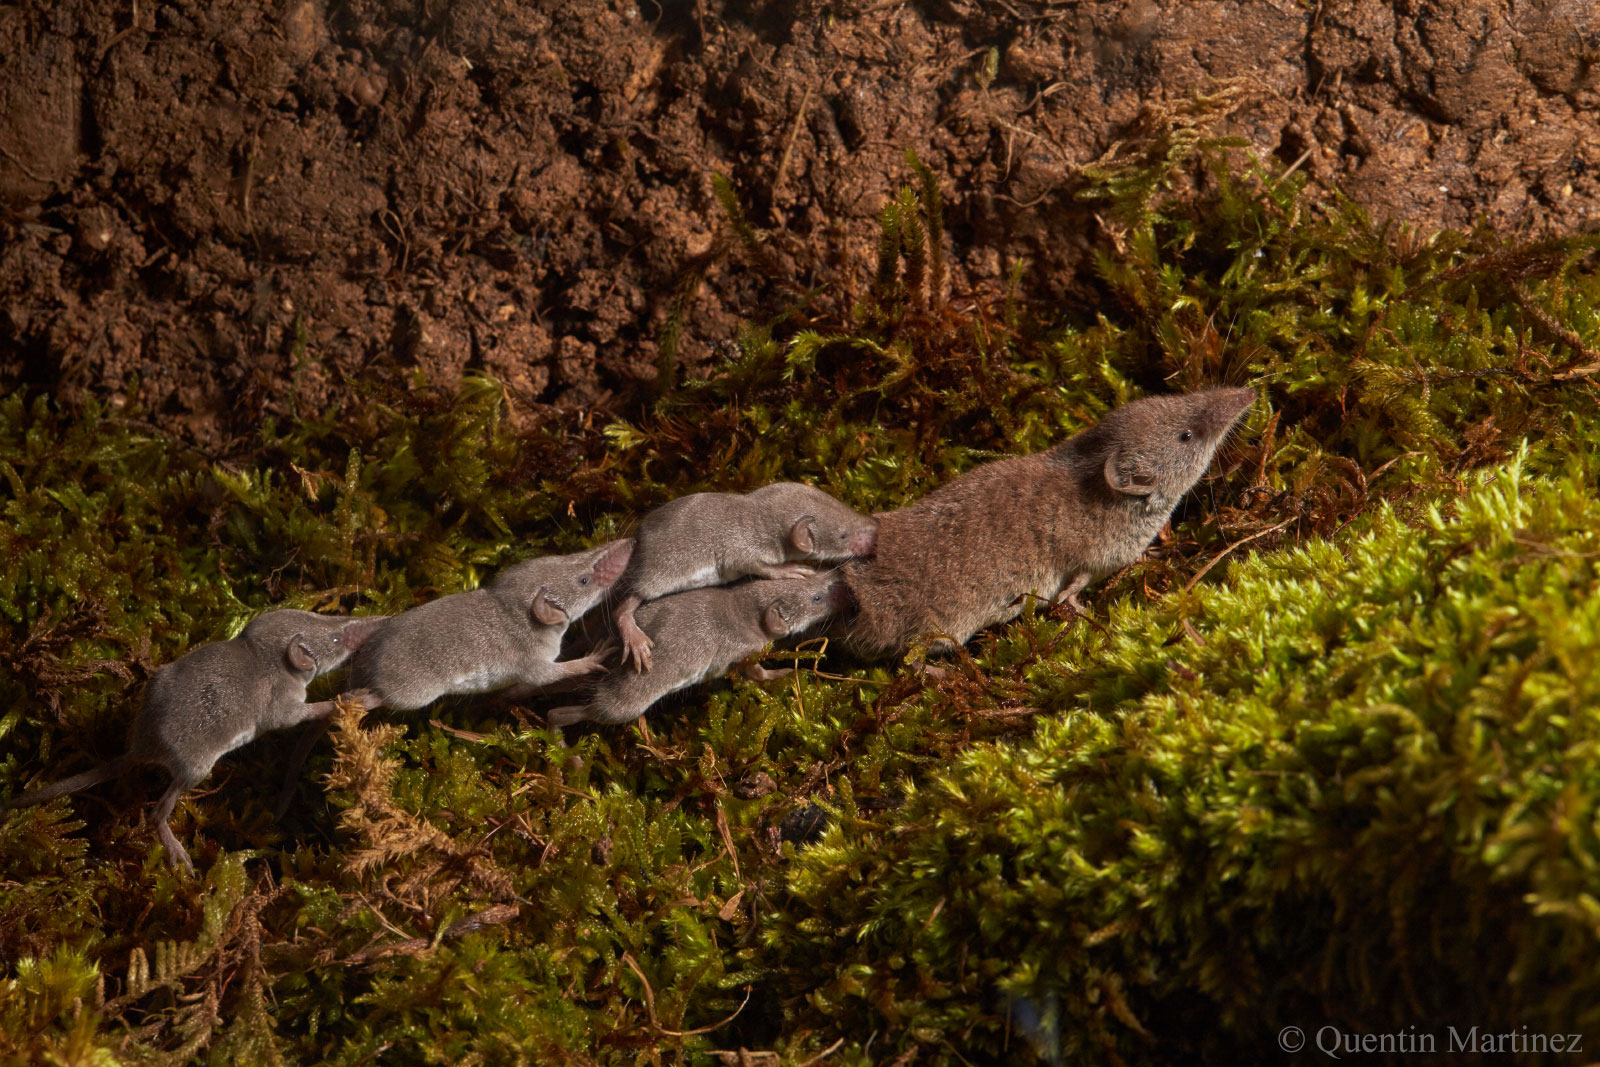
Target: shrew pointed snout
611,565
864,542
1223,408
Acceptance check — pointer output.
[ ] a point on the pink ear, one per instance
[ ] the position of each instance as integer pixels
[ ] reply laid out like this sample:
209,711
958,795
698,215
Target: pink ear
803,536
358,632
1135,480
300,656
609,567
548,611
774,623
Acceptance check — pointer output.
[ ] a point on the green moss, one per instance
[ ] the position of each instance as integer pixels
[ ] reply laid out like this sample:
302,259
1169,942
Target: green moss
1371,789
1367,793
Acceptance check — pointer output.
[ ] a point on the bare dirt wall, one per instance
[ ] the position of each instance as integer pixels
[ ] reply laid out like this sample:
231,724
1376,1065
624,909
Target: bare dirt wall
222,210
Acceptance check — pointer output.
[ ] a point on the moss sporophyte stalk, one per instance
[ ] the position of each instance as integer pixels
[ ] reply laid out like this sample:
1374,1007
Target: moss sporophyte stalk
1345,778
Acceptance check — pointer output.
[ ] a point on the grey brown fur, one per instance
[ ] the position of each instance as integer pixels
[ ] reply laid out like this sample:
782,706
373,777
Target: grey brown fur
701,633
970,553
220,696
708,539
507,634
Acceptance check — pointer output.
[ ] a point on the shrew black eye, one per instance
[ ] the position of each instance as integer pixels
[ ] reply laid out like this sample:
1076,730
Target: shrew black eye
1186,436
584,580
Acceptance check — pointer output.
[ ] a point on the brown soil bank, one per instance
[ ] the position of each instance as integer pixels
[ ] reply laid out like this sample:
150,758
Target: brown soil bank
222,210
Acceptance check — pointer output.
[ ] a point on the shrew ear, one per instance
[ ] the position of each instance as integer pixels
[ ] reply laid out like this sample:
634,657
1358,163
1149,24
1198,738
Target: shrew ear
774,623
1129,474
547,611
804,535
300,656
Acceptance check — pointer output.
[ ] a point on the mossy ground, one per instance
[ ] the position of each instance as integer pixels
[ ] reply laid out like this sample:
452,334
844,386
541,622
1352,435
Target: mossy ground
1348,776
